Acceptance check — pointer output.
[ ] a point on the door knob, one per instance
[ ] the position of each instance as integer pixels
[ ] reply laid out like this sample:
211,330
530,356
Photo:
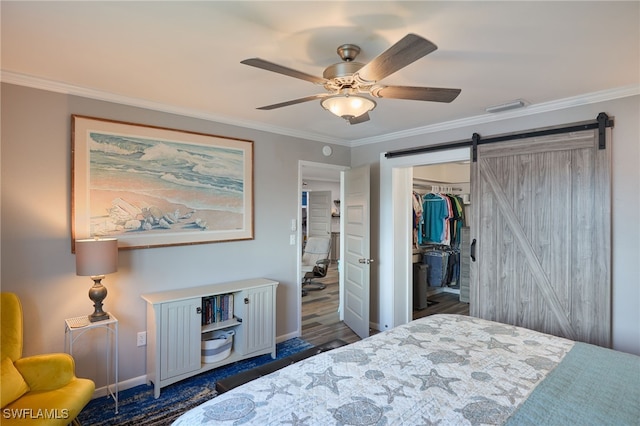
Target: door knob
366,261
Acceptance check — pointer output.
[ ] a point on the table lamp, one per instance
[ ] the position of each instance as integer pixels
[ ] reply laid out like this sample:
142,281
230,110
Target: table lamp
95,258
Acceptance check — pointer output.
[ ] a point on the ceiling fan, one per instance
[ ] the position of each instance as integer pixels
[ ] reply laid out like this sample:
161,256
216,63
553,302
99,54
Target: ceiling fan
347,81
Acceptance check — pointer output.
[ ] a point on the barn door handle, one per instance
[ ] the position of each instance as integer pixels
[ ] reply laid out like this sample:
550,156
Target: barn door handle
473,250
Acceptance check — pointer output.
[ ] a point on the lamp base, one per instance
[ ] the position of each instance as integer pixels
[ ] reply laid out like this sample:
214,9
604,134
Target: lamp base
97,294
95,318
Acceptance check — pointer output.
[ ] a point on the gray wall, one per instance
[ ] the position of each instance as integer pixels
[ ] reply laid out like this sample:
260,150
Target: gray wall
625,197
37,262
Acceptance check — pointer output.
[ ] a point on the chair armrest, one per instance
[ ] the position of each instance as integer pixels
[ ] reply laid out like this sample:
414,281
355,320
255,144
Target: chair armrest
47,372
323,262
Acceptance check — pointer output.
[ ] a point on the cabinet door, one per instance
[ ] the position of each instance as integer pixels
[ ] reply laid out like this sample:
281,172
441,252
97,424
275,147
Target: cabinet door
259,327
180,338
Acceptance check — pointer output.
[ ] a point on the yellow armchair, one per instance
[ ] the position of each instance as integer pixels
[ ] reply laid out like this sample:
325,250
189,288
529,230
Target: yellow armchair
40,389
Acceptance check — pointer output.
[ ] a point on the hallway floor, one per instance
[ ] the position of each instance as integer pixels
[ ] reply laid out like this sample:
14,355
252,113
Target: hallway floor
321,322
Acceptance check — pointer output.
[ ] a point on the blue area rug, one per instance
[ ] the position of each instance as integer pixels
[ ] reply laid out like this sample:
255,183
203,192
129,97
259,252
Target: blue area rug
137,406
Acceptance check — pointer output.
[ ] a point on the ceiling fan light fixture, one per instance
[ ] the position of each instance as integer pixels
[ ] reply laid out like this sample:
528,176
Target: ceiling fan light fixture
348,106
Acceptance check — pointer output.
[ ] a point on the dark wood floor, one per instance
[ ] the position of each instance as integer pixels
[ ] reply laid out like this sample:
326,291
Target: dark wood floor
321,322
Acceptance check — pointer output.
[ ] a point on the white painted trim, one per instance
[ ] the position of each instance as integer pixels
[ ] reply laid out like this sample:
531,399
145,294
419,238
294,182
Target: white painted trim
124,385
395,273
142,380
589,98
287,336
69,89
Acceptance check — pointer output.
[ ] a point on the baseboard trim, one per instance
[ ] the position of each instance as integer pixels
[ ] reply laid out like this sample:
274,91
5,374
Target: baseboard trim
282,338
124,385
142,380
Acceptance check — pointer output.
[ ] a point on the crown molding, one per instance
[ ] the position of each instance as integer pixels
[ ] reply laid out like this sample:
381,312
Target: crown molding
69,89
589,98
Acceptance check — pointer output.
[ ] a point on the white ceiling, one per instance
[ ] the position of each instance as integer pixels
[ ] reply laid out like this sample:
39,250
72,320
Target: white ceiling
184,57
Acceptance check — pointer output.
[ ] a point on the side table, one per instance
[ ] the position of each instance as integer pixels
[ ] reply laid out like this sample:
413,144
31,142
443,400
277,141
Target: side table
76,327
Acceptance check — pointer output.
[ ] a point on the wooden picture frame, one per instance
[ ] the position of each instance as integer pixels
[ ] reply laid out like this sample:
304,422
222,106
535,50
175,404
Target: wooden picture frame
151,186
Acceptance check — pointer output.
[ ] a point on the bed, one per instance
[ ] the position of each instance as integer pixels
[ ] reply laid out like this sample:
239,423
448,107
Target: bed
441,369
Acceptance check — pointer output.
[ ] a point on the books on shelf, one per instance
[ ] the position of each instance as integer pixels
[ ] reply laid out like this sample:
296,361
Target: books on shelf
217,308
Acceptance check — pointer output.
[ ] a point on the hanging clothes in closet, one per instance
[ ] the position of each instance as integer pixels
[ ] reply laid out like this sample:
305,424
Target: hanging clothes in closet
435,219
438,234
441,219
417,202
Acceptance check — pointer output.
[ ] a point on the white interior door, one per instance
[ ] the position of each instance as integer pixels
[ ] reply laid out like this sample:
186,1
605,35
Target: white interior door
319,214
356,253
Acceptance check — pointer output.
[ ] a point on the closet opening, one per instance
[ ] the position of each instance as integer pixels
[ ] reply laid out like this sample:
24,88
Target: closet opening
440,199
395,270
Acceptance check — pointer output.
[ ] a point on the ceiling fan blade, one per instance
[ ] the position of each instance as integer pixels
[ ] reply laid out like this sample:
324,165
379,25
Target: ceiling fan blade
360,119
294,101
270,66
409,49
433,94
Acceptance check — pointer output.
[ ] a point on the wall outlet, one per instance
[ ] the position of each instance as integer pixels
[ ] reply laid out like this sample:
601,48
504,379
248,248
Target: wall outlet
142,338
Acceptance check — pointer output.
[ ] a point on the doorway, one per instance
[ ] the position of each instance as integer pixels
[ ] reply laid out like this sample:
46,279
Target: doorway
322,307
441,211
396,182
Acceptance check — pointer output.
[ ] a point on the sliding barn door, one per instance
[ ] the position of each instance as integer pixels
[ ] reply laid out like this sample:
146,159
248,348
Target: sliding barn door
541,225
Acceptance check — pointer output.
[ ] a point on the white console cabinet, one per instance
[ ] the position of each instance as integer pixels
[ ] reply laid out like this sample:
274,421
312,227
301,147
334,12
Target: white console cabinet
175,327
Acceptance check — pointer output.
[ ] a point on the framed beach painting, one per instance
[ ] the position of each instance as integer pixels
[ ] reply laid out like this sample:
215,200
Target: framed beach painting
152,186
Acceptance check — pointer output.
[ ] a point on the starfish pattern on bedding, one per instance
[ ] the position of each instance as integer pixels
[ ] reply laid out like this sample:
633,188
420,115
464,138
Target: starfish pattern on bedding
410,340
433,379
467,348
402,363
494,343
505,367
511,395
391,393
428,422
275,389
296,421
327,378
375,347
534,379
555,351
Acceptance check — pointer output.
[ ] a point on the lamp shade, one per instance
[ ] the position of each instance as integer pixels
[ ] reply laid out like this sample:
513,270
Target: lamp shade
348,106
96,256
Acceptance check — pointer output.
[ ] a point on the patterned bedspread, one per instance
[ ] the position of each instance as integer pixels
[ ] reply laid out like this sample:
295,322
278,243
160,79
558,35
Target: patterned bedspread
441,369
